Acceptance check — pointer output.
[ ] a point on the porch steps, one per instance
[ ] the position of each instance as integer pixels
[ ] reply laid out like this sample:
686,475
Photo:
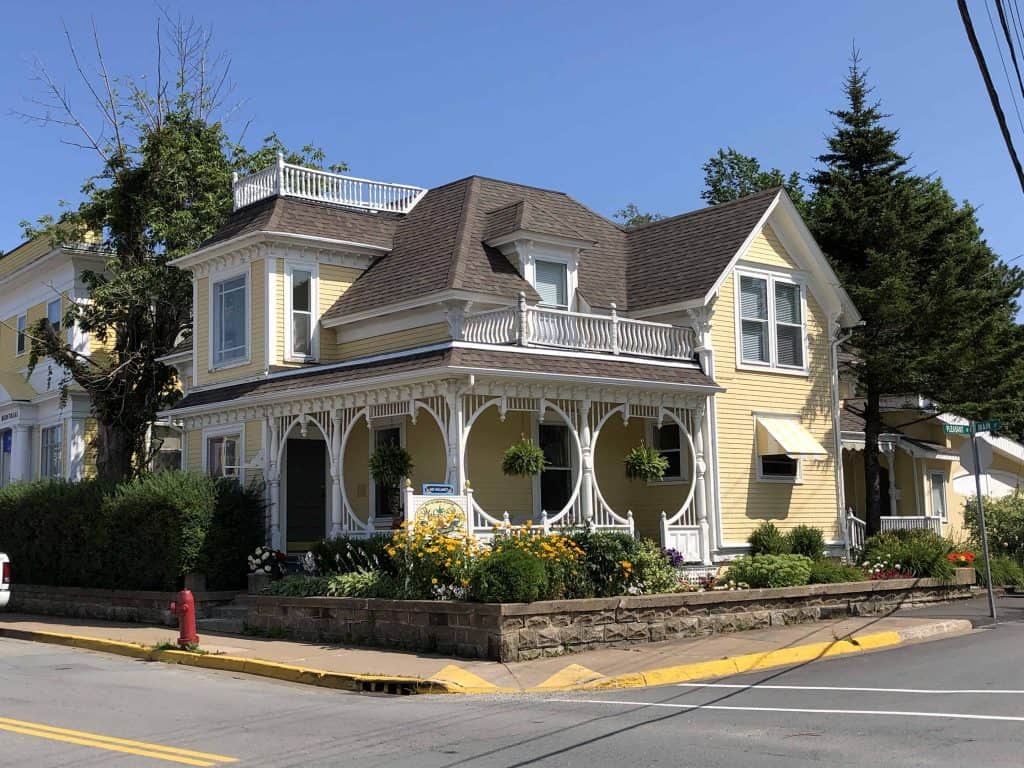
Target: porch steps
226,619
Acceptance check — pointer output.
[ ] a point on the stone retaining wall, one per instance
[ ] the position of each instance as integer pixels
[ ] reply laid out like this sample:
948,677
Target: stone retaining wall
522,631
108,604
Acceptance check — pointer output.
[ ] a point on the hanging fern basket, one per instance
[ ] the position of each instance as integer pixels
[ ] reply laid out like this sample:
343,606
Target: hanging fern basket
645,463
389,463
523,459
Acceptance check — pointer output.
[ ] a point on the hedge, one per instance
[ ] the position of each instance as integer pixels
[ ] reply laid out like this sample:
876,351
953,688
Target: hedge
140,534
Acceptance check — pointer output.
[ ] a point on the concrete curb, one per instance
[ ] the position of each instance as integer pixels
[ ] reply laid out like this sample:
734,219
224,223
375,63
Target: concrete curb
454,679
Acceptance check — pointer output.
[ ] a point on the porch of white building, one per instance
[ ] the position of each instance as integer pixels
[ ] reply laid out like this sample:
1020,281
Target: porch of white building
315,461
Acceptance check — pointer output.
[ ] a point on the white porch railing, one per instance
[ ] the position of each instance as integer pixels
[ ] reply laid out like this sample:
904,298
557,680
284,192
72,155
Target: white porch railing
857,531
323,186
539,326
911,523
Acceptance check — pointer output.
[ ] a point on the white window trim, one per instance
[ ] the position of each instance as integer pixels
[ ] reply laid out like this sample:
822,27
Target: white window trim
555,419
684,458
314,311
761,476
232,430
62,472
568,286
772,277
19,335
533,252
216,279
945,494
377,425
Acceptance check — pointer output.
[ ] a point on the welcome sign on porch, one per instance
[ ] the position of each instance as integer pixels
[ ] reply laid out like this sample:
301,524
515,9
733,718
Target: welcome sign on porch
430,505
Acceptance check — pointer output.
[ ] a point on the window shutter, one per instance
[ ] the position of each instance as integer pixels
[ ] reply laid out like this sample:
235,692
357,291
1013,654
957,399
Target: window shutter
551,283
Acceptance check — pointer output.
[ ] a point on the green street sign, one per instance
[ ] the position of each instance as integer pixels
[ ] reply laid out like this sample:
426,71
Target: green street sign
956,429
986,426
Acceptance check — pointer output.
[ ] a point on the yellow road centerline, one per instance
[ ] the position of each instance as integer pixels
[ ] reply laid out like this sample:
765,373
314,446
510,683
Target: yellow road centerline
113,743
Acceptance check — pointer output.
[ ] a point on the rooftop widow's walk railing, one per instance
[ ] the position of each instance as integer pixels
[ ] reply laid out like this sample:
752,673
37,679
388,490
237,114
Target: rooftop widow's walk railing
290,180
545,327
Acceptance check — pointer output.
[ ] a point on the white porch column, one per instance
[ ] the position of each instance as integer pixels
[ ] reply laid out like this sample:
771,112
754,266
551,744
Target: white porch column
699,488
76,448
21,453
274,482
890,458
456,474
336,479
587,465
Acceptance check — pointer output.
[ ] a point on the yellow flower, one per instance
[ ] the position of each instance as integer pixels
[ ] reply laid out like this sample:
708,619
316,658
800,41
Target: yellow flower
626,565
433,581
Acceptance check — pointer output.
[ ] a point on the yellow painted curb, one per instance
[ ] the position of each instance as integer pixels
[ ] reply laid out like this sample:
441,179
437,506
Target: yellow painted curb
749,662
572,676
464,681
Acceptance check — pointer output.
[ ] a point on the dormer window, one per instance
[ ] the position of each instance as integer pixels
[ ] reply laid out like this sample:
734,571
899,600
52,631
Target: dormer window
300,299
552,283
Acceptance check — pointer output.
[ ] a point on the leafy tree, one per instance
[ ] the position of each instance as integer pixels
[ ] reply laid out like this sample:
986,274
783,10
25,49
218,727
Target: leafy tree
163,188
730,175
938,306
632,217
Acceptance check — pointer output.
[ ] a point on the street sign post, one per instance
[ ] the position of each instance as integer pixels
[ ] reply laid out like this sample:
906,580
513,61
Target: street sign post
979,461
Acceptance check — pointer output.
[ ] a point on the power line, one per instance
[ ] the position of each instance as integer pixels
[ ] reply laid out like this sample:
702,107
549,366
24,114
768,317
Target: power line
992,94
1006,73
1009,44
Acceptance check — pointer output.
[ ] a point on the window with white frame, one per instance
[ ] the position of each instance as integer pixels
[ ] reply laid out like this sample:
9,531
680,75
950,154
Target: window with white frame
772,323
552,283
230,322
53,315
20,343
300,324
224,456
937,488
668,441
779,467
51,453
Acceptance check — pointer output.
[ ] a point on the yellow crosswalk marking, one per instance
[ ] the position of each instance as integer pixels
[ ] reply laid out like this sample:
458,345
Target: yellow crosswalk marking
114,744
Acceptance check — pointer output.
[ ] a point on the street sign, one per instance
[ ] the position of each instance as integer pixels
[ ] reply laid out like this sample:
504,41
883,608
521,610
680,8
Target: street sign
984,457
957,429
986,426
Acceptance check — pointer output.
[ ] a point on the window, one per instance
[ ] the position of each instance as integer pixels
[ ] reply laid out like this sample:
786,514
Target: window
771,321
668,441
780,466
223,456
301,308
53,314
552,281
556,479
51,452
387,500
229,321
22,327
937,486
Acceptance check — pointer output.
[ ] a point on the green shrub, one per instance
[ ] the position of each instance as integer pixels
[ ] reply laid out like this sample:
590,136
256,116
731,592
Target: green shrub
608,558
653,570
920,552
363,584
345,555
768,540
236,529
826,571
1006,572
508,575
771,570
1004,523
807,541
298,585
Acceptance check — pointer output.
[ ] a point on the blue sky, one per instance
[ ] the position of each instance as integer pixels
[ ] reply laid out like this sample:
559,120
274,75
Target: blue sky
610,102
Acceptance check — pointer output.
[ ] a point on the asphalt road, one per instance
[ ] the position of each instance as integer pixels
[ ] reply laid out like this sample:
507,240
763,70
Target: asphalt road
952,702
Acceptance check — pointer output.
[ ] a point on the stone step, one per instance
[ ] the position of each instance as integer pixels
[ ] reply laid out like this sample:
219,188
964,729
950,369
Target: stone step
230,611
221,626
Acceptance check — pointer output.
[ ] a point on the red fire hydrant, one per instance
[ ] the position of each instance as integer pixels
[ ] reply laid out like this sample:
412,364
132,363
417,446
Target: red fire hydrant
185,609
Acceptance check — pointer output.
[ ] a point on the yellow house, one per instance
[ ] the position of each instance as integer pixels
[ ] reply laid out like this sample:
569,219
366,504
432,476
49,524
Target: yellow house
333,315
41,437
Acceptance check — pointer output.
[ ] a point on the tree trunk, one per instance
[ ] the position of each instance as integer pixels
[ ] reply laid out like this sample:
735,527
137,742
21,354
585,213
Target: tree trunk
872,475
115,452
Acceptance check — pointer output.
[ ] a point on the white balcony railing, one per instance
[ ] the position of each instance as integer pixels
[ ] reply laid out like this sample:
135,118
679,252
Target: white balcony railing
897,523
539,326
323,186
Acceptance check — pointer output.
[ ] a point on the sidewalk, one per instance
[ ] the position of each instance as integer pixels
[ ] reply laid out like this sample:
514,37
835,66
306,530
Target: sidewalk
371,669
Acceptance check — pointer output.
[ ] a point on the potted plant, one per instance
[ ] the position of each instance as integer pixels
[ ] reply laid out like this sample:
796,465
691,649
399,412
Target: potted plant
523,459
389,463
266,564
645,463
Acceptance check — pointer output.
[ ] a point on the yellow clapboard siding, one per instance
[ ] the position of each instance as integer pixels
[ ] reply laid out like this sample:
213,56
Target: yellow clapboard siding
747,501
194,449
493,490
91,431
394,342
334,281
257,324
768,250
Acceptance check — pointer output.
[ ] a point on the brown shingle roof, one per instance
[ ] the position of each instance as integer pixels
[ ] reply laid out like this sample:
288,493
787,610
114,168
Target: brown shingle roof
431,364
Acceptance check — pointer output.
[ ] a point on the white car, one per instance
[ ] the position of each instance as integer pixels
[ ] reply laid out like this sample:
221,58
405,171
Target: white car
5,580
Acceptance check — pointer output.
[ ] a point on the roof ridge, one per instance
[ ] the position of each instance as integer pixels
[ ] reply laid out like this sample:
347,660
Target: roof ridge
457,264
707,208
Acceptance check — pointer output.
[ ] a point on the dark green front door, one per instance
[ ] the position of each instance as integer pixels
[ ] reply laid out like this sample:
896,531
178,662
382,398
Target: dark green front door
307,493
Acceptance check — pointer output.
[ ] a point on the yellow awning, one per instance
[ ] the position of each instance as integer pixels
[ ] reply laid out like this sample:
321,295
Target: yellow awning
778,435
14,387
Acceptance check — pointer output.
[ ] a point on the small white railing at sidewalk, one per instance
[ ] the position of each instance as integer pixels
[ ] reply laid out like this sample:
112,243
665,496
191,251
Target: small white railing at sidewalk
543,327
857,530
298,181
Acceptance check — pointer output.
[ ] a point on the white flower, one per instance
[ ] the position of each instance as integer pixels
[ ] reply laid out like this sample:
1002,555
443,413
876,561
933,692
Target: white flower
267,569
